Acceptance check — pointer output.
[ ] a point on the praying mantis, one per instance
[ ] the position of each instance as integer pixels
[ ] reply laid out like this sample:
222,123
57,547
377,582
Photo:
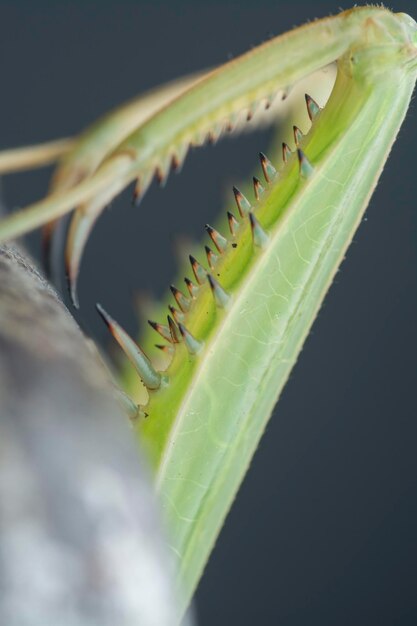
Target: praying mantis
233,334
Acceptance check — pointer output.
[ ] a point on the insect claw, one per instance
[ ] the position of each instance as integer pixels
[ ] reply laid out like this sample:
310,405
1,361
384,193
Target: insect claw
286,152
242,202
306,169
149,376
233,223
267,167
199,271
48,232
257,187
192,344
221,297
161,329
260,238
219,241
79,229
72,286
313,108
183,302
298,135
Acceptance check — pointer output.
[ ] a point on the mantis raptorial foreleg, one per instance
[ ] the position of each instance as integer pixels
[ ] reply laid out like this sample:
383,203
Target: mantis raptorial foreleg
232,340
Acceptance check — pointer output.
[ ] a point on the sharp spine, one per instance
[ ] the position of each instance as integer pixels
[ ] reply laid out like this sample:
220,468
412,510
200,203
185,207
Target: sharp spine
178,158
219,241
242,202
298,135
199,271
251,111
175,163
192,288
183,302
200,138
313,108
149,376
221,297
257,187
231,122
192,344
161,177
177,315
267,167
141,187
260,238
162,170
233,223
306,169
166,348
211,257
173,329
137,196
215,133
286,152
161,329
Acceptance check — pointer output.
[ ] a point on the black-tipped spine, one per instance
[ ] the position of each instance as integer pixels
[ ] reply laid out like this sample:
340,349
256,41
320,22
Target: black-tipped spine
221,297
233,223
173,329
198,270
268,169
306,169
166,348
149,376
258,189
192,288
260,238
177,315
192,344
183,302
313,108
242,202
161,329
211,257
286,152
137,194
219,241
298,135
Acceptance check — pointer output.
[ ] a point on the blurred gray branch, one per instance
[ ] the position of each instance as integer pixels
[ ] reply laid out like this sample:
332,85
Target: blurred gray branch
79,538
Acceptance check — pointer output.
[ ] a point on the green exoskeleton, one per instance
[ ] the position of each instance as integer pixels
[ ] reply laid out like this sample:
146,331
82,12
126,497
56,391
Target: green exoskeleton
233,334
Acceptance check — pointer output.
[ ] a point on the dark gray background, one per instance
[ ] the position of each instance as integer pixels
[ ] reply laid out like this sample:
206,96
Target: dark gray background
324,529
